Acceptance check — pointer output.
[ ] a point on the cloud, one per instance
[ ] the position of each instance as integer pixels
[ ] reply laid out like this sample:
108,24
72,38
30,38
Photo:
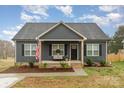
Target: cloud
102,20
34,13
7,32
29,18
67,10
37,9
107,8
114,16
94,18
10,32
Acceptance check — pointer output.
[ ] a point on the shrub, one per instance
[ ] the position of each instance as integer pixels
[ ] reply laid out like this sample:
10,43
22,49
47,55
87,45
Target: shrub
45,65
103,63
64,65
31,64
89,62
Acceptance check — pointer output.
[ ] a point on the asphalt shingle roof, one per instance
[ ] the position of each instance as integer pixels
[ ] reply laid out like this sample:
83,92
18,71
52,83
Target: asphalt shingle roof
31,30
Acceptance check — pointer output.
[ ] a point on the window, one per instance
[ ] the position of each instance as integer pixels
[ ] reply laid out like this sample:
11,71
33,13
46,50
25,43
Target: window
92,49
29,49
56,47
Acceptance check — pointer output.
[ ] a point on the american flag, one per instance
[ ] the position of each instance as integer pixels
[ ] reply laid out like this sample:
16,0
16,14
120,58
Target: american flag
37,53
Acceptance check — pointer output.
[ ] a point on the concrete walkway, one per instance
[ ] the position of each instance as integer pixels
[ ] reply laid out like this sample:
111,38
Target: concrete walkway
9,79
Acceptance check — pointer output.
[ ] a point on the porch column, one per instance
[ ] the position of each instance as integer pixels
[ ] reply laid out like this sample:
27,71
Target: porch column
40,51
106,52
82,52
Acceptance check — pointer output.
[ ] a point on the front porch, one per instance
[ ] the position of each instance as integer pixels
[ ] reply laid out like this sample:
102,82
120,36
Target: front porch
71,52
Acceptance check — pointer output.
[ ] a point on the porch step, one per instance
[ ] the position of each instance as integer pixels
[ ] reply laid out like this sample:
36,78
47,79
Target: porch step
77,65
54,65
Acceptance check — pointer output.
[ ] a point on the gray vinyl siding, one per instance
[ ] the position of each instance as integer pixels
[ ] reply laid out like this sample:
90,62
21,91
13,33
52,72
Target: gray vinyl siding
45,49
19,55
103,51
61,32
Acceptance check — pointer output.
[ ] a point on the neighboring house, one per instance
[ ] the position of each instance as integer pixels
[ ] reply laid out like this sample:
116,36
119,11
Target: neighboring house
77,41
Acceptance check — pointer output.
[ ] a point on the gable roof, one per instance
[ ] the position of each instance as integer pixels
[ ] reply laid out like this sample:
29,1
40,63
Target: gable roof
61,23
32,30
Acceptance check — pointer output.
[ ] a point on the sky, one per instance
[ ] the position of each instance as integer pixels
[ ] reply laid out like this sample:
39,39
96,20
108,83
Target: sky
12,18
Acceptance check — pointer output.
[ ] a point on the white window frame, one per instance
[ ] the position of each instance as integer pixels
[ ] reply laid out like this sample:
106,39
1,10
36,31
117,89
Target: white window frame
92,49
30,49
58,48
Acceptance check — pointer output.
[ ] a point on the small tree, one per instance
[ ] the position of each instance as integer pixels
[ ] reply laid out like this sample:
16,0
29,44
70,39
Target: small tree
116,42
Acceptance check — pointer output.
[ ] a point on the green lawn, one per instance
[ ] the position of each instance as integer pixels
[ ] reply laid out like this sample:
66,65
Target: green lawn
102,77
117,69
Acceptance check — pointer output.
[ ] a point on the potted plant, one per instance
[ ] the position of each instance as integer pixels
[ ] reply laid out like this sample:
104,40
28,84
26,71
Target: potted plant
66,58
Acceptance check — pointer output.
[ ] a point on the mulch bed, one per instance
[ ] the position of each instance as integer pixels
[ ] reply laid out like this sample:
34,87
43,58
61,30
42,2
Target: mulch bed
27,69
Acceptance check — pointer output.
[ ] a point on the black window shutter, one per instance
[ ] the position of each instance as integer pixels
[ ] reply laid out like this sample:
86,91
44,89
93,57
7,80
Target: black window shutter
100,50
85,51
50,49
65,49
22,49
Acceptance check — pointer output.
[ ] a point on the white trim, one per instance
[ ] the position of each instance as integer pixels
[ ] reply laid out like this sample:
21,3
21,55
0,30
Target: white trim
77,50
30,50
60,39
58,25
15,51
82,52
106,52
59,48
92,45
40,50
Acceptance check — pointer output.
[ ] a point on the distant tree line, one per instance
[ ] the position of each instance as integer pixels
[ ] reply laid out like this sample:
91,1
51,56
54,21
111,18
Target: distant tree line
116,42
6,49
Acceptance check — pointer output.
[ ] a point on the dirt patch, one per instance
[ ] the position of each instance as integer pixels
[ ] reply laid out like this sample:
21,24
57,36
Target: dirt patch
26,69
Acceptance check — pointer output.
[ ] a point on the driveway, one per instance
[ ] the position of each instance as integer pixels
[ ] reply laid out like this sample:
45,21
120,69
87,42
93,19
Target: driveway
8,81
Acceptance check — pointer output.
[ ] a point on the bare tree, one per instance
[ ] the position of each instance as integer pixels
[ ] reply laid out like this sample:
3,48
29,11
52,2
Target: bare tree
6,49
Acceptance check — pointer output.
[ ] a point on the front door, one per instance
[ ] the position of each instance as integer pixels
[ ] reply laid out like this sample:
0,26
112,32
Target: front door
74,52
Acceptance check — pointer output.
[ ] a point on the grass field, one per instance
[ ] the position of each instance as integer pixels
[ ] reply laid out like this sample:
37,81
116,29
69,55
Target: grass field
6,63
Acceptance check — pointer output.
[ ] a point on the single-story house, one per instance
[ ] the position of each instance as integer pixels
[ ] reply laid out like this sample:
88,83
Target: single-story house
77,41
